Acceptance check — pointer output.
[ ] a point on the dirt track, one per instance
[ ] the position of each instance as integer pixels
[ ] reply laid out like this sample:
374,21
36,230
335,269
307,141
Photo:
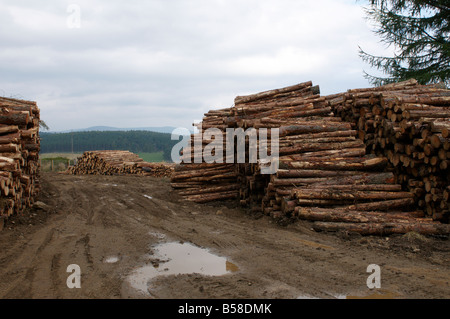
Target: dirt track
88,219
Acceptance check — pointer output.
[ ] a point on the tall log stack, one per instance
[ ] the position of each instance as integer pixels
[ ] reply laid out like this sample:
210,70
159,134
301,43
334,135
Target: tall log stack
324,168
331,169
118,163
19,155
409,124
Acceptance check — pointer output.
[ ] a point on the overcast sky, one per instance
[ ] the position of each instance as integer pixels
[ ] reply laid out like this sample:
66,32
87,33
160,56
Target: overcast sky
166,63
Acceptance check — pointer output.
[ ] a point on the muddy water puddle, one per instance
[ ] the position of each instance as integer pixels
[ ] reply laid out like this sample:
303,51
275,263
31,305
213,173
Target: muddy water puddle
175,258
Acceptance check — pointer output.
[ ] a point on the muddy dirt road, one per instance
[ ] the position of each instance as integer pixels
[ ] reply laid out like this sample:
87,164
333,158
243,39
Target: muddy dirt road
115,228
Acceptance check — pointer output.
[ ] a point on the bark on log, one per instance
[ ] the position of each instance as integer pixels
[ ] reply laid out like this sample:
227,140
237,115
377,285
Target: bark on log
385,205
348,195
271,93
341,164
384,229
351,216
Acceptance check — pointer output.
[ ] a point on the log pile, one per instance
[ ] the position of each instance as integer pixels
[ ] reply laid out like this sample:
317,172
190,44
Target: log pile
288,108
154,169
409,124
196,178
118,163
19,155
324,173
368,203
205,182
307,129
330,169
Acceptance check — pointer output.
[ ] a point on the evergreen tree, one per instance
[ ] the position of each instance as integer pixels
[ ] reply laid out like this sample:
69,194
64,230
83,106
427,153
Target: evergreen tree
419,31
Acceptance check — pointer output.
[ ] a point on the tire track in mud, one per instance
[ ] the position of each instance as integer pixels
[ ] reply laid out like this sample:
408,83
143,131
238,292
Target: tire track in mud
39,265
117,207
20,276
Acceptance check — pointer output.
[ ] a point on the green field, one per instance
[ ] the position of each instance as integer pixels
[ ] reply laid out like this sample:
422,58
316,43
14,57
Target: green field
152,157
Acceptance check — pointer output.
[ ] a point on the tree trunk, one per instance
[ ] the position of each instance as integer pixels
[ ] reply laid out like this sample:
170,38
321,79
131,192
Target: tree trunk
384,229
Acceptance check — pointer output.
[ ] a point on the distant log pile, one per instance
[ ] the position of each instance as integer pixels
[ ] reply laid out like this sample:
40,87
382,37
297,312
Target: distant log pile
19,155
409,124
118,163
332,169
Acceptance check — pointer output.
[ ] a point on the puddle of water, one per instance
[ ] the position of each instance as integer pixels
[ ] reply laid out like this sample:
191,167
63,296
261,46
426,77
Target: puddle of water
147,196
111,260
180,258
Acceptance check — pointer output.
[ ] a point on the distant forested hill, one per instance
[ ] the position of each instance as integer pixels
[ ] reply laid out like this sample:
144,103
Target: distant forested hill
133,141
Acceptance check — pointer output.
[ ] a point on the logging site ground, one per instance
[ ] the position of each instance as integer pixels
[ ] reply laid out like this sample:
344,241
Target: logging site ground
127,234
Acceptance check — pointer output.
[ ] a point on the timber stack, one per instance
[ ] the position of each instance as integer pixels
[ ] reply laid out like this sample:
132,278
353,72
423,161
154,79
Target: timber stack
154,169
409,124
330,171
204,174
19,155
289,107
110,162
323,168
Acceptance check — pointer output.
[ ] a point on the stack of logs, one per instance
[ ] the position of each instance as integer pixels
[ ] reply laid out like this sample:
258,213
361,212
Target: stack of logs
409,124
326,173
205,182
196,178
19,155
118,163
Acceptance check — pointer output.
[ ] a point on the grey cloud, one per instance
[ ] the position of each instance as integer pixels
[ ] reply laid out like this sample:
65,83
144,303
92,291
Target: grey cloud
165,63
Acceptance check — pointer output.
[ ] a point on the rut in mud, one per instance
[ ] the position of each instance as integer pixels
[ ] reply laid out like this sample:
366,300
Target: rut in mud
112,226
